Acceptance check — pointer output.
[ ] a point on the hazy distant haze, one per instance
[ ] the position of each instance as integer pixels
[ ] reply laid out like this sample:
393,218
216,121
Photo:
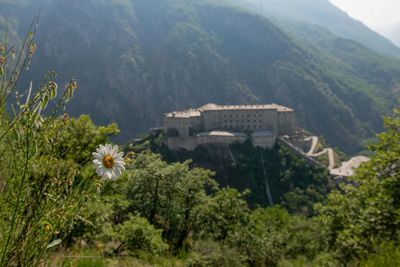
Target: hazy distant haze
380,15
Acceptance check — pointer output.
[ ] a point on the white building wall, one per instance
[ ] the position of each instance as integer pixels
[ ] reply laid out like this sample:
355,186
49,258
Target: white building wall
241,120
187,143
286,121
182,125
278,121
264,141
179,124
220,139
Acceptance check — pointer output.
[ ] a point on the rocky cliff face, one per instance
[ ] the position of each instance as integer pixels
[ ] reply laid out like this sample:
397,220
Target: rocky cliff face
137,59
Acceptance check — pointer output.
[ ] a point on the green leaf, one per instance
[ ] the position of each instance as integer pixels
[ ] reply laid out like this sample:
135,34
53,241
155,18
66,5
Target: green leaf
54,243
45,101
53,89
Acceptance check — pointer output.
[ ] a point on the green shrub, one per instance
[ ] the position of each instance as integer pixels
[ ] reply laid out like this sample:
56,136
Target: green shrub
210,253
138,234
90,262
386,255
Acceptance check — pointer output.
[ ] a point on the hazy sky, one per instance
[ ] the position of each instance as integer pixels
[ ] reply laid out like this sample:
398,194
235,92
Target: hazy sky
380,15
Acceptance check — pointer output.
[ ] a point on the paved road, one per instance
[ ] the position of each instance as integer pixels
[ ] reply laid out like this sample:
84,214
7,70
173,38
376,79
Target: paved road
347,168
311,152
314,142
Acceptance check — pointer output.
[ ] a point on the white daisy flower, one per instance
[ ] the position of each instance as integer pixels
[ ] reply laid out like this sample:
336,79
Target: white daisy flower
108,162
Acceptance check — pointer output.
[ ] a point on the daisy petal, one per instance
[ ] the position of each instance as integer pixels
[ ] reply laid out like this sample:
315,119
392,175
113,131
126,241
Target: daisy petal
119,161
114,151
109,149
97,155
118,172
99,171
119,155
113,174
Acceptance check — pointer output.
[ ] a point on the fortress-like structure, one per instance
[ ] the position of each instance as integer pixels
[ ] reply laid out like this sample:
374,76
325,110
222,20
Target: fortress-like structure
228,124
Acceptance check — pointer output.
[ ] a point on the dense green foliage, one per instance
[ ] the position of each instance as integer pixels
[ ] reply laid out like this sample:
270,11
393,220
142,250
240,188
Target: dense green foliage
137,59
43,186
161,213
185,213
194,216
292,181
367,215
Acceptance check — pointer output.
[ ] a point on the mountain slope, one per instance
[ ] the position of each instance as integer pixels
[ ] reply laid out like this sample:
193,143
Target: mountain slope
136,59
395,35
377,70
326,15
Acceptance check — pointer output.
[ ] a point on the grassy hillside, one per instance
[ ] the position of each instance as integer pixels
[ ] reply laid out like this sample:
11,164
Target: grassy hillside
136,59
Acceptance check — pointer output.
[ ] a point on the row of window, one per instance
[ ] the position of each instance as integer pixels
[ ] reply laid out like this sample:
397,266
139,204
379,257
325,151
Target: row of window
242,126
215,116
243,121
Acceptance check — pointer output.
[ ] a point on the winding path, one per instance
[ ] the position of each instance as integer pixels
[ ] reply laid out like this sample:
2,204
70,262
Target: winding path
311,152
347,168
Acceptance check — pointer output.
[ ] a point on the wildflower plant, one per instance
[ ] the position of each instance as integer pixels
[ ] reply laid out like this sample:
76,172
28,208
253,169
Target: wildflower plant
41,187
108,162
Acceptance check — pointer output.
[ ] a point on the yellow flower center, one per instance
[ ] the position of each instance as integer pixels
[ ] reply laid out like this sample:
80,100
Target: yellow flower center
47,227
108,161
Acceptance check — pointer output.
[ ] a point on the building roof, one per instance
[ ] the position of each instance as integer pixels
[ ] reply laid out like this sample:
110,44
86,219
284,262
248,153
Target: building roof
222,133
212,107
191,113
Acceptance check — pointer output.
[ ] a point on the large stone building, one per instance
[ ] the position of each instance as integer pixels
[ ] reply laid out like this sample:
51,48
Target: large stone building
228,124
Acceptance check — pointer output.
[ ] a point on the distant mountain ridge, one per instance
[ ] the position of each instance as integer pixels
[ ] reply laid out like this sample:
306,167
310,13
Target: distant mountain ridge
326,15
137,59
395,35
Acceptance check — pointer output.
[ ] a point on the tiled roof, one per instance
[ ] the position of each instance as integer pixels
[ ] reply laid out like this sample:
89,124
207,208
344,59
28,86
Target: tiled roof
222,133
190,113
210,107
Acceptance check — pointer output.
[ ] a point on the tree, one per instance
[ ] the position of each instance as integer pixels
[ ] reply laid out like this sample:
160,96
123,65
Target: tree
168,195
367,211
224,214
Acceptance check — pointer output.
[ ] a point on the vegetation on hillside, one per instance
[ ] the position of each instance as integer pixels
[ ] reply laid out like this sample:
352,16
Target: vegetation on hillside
164,213
291,181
